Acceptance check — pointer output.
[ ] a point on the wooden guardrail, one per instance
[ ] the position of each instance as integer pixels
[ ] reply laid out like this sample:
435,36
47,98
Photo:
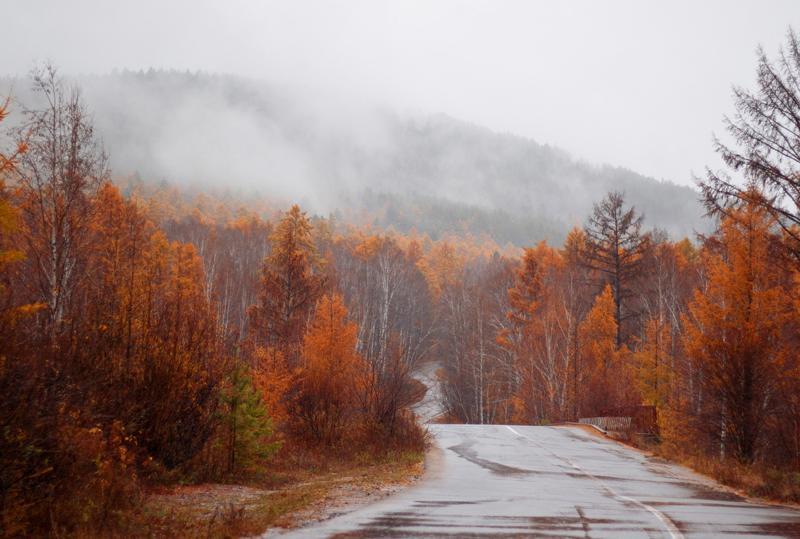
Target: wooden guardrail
627,421
608,424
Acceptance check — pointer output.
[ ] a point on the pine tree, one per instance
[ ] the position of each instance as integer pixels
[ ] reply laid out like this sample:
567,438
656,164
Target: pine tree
247,425
766,135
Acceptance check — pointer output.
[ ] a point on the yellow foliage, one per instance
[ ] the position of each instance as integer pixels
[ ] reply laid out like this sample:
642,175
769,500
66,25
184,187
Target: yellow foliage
652,363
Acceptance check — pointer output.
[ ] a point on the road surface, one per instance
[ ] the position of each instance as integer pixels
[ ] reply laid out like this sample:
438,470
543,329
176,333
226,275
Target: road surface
515,481
430,407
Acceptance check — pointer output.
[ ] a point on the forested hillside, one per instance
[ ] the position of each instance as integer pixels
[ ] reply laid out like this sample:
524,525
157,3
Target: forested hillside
434,173
155,334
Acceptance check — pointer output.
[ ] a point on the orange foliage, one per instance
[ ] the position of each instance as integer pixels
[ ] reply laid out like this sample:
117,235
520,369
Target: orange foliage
327,384
441,267
735,333
607,378
274,379
653,363
137,306
290,284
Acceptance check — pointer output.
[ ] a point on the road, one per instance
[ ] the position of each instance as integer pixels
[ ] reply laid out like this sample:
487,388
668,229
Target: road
519,481
430,407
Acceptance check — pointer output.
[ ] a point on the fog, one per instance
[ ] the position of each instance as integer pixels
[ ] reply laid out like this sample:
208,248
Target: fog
640,84
518,107
435,173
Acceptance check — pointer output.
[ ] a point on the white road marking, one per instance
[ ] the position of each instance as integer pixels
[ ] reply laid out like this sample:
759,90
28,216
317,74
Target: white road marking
672,529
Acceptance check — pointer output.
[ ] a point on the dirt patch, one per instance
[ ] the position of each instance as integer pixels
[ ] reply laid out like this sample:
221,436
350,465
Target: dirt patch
333,496
205,499
342,499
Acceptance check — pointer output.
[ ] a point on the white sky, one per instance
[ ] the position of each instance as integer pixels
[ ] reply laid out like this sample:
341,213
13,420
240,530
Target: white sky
635,83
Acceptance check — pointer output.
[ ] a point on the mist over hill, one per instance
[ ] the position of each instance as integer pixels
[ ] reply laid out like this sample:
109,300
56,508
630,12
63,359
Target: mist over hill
433,173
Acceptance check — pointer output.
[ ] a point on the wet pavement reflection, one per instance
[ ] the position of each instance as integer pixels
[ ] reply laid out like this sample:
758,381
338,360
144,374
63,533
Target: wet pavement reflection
516,481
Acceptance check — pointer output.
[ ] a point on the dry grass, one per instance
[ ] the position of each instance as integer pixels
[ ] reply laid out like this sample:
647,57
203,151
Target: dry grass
772,484
753,480
293,496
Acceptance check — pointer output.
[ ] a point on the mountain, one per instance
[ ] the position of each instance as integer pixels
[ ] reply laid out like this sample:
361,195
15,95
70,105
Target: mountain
430,172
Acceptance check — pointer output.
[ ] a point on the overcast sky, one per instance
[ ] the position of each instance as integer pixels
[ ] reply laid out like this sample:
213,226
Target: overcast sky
641,84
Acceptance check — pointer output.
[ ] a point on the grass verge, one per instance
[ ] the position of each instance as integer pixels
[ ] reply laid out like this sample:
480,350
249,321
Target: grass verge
754,480
291,497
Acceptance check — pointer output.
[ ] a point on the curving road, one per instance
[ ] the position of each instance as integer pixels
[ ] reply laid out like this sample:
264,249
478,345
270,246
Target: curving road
515,481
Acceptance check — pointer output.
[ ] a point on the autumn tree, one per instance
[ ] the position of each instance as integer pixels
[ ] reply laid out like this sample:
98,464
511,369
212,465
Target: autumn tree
615,248
48,232
603,361
654,363
290,286
233,252
735,331
388,297
540,336
663,293
19,464
151,334
766,137
576,293
328,381
58,174
472,306
527,289
10,255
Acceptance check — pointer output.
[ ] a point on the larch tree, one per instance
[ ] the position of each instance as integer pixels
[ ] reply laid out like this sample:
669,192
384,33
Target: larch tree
540,338
653,362
9,224
576,282
527,289
516,335
328,380
615,248
766,133
289,288
599,352
734,331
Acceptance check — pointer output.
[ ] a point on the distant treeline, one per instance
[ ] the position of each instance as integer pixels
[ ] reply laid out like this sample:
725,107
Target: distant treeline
436,173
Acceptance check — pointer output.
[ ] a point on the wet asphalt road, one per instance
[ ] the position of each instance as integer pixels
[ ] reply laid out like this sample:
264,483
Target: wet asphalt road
500,481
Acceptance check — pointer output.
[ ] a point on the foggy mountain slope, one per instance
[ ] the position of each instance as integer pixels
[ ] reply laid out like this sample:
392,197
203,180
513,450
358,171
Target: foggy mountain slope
433,173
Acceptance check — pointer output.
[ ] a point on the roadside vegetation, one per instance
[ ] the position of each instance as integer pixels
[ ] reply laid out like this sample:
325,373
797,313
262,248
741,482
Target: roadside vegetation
144,345
701,335
182,363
